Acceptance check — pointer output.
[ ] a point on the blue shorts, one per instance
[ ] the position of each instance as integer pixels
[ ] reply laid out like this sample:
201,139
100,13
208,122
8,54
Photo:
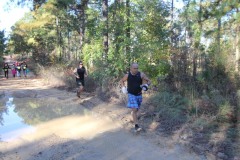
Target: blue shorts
134,101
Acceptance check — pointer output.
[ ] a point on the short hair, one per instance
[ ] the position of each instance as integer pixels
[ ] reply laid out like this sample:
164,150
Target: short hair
134,63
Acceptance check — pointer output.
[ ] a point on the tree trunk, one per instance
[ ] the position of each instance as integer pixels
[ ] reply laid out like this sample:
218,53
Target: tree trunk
219,36
172,7
58,38
105,29
198,41
128,34
81,31
237,49
82,18
69,46
119,25
172,35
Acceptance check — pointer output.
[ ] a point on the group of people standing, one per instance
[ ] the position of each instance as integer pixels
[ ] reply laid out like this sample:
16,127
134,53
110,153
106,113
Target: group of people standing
17,69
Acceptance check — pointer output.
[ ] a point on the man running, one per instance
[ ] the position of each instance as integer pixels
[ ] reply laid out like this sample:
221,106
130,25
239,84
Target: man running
5,69
80,72
136,82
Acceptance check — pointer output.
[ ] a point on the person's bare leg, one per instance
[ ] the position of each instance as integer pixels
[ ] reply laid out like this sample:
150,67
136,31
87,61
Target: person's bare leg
81,88
78,92
134,115
135,119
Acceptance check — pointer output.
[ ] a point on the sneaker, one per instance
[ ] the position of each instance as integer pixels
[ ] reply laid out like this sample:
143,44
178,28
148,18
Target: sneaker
137,128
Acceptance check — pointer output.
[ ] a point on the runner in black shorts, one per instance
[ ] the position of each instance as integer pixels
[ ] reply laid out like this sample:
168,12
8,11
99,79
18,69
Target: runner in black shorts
80,72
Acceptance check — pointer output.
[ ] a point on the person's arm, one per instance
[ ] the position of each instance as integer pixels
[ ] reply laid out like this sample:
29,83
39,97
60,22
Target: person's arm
75,73
145,79
123,80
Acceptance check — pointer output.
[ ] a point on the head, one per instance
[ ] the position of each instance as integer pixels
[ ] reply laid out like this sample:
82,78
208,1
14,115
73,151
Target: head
80,64
134,68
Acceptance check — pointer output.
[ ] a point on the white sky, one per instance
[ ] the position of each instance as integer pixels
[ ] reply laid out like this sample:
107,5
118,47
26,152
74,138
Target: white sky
10,15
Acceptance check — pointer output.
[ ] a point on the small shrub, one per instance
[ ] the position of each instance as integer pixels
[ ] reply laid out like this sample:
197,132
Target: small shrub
90,85
59,75
216,97
225,113
204,106
171,109
204,123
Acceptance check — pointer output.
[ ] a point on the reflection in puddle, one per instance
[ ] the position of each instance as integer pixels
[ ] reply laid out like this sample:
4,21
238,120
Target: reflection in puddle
24,115
36,119
12,125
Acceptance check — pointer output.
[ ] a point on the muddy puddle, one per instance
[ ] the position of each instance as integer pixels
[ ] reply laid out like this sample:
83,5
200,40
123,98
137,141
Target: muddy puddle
12,125
21,116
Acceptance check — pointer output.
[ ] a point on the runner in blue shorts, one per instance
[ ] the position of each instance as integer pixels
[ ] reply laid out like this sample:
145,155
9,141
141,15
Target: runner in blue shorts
136,82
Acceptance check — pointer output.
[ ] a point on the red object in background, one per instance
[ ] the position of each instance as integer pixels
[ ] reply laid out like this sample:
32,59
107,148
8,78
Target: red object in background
14,71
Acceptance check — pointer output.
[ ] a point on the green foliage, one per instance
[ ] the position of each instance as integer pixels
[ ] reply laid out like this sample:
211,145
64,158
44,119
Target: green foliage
2,43
201,123
171,109
226,113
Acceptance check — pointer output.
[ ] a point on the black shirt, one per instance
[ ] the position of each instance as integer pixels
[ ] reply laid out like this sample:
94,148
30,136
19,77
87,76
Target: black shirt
133,84
5,68
81,71
24,66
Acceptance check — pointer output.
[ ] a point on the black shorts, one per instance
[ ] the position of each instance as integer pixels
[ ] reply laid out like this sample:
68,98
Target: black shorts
80,82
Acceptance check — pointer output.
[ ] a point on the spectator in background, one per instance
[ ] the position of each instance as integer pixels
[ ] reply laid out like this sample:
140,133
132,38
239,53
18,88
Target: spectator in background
5,69
13,69
24,68
18,68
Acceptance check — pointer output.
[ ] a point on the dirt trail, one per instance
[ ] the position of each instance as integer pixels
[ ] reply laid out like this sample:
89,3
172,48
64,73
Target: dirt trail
63,127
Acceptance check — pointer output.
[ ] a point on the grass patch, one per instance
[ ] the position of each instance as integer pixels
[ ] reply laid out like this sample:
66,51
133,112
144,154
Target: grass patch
171,109
225,113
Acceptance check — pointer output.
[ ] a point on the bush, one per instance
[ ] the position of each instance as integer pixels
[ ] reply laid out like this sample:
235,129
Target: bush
225,113
60,76
53,75
171,109
204,123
